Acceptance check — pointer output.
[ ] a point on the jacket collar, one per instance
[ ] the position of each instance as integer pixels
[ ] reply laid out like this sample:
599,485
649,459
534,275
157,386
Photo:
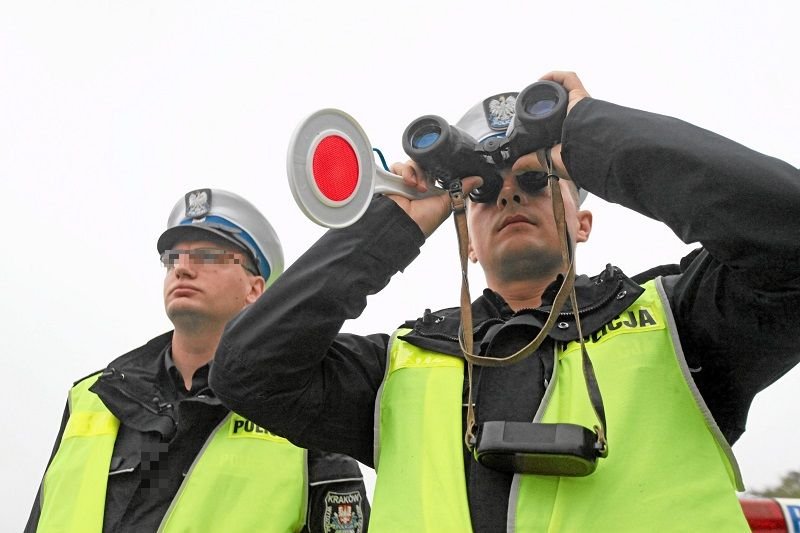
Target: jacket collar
601,298
137,388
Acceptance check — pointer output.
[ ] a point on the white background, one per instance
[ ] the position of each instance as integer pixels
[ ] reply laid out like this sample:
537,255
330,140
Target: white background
110,111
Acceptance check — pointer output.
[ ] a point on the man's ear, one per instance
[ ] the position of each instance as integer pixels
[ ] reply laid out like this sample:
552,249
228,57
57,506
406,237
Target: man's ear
471,253
584,226
257,287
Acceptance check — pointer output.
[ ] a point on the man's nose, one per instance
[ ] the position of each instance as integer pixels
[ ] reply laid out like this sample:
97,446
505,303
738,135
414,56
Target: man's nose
183,267
510,192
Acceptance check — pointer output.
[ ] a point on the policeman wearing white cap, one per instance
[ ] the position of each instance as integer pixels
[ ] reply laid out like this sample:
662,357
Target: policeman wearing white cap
146,445
231,217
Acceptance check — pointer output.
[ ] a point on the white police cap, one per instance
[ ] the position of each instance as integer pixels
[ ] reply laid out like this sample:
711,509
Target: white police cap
491,117
231,217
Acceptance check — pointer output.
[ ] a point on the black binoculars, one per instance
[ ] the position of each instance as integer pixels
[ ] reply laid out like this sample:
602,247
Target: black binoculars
447,153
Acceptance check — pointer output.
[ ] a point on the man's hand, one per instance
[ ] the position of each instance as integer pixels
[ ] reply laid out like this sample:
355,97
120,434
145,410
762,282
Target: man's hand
570,81
430,212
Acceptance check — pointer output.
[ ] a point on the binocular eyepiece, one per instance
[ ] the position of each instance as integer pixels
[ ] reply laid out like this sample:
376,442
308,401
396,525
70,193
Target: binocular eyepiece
447,153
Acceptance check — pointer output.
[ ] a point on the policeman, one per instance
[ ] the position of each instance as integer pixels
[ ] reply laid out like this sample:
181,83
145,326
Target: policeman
145,445
675,361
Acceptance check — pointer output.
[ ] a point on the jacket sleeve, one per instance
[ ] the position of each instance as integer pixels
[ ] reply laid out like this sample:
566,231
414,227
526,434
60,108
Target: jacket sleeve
36,509
282,362
737,303
337,496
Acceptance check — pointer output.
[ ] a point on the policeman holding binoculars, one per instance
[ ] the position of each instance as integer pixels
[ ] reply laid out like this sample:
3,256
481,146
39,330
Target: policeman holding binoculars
489,416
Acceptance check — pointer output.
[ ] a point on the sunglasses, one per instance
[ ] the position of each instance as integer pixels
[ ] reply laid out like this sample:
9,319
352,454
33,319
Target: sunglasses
529,182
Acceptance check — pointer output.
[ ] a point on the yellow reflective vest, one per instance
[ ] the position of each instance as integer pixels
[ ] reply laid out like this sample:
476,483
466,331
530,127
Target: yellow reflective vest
669,468
244,479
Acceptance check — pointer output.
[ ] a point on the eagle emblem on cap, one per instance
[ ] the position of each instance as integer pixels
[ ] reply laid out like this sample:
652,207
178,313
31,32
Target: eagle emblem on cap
198,203
500,110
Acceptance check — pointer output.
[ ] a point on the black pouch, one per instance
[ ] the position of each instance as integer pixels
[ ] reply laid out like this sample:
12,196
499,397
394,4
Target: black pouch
533,448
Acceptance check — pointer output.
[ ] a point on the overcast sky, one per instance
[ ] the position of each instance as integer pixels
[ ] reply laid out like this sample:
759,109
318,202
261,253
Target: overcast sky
110,111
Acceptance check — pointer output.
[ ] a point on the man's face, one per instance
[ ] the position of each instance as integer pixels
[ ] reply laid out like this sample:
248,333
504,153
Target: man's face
515,237
210,286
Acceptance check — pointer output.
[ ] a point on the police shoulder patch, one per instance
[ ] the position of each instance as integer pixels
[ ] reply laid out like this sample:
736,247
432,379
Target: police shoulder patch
343,512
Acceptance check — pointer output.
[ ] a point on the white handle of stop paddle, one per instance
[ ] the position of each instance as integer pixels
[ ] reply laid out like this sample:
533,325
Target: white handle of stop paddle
388,183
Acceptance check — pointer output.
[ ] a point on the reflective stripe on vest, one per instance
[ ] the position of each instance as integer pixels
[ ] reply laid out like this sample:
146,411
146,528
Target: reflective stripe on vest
668,469
74,487
244,479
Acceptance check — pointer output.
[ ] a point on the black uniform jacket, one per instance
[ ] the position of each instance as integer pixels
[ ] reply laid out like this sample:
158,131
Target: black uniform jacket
736,300
162,429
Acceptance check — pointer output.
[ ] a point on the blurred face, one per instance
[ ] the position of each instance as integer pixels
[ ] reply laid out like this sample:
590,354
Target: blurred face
515,237
206,282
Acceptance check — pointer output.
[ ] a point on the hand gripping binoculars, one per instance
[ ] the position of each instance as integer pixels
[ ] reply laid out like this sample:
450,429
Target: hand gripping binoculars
447,153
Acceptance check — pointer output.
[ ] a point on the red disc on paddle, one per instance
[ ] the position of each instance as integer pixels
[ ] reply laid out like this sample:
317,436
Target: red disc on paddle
335,168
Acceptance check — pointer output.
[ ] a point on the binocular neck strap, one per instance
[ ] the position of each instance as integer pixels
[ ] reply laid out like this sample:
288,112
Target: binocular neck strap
465,329
567,290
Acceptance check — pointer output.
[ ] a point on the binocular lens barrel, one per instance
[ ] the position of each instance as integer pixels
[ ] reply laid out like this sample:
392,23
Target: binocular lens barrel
540,112
443,151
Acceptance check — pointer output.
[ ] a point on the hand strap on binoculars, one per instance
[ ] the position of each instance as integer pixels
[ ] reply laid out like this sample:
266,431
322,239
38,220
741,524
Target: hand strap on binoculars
567,289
